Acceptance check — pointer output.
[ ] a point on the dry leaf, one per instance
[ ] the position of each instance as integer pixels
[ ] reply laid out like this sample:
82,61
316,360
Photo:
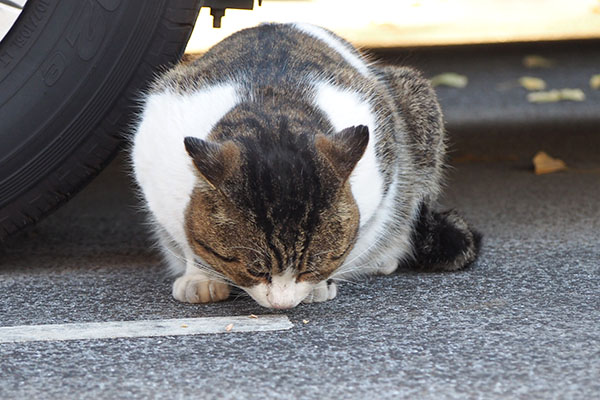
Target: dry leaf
572,94
532,83
184,325
229,327
552,96
595,81
305,321
252,316
544,164
535,61
451,79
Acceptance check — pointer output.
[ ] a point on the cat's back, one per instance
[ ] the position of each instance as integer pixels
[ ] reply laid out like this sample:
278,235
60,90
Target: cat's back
275,54
303,61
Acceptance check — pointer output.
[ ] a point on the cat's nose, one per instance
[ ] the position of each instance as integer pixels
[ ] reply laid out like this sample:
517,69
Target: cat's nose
282,306
281,299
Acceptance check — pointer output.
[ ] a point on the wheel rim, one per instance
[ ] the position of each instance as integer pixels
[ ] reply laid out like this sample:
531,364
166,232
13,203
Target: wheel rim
9,12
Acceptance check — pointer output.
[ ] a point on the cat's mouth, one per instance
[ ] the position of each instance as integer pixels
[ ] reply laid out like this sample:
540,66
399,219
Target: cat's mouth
282,293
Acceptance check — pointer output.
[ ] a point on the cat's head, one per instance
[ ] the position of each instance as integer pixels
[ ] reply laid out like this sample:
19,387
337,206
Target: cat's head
275,215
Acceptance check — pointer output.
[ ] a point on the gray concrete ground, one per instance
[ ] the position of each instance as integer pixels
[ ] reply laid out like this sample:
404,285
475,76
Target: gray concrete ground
524,322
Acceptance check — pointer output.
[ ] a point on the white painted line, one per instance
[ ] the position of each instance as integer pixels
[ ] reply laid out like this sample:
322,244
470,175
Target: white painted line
145,328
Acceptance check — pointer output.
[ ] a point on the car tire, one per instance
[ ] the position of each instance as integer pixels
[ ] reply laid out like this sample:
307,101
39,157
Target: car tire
71,75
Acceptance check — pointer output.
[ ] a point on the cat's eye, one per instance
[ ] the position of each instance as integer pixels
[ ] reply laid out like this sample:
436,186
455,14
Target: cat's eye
308,275
215,253
260,274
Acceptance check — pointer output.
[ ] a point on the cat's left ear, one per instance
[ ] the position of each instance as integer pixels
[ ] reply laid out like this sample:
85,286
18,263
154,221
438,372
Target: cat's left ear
215,161
344,149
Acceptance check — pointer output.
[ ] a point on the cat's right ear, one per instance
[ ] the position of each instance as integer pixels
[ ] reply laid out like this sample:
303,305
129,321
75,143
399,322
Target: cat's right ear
344,149
215,161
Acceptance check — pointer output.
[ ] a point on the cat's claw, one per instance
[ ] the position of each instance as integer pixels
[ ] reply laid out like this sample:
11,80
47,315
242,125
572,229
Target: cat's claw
322,292
199,289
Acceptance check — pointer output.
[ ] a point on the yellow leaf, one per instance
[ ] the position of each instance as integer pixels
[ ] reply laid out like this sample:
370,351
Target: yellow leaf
544,164
572,94
451,79
552,96
535,61
531,83
595,81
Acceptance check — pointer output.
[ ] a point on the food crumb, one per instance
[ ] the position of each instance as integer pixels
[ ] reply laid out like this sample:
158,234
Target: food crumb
305,321
184,325
229,327
450,79
252,316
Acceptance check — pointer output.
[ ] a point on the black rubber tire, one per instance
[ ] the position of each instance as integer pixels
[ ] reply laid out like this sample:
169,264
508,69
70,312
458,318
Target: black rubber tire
71,73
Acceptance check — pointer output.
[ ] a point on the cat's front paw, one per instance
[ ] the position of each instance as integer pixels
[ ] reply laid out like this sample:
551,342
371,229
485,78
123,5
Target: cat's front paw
199,289
324,291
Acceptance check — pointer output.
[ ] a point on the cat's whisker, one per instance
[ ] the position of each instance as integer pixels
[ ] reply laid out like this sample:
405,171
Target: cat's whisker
210,271
362,253
206,269
356,270
177,256
349,272
259,251
350,282
323,252
241,294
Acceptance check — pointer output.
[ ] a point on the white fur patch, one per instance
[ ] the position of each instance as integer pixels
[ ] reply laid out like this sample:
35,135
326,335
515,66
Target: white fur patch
369,237
162,167
375,250
336,44
344,109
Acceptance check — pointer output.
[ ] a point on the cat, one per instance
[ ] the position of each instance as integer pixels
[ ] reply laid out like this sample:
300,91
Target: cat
283,160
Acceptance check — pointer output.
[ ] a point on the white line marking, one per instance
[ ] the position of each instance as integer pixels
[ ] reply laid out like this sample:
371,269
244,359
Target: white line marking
145,328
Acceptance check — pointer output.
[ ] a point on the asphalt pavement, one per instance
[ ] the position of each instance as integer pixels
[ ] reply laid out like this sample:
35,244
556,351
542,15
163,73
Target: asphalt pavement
523,322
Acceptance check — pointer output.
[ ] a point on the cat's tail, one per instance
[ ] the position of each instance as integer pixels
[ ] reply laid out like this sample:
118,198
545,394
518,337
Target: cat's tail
443,241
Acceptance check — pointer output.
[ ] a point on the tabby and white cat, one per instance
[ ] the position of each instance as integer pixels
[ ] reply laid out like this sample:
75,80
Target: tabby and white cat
282,160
